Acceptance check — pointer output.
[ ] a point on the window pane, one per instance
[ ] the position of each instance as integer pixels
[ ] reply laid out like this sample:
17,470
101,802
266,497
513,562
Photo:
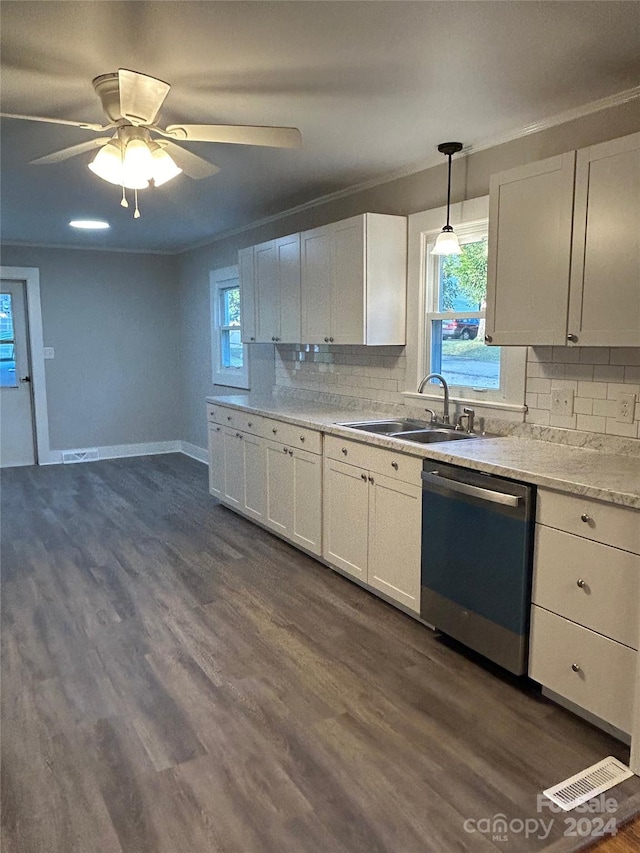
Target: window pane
8,377
463,278
459,353
231,306
232,353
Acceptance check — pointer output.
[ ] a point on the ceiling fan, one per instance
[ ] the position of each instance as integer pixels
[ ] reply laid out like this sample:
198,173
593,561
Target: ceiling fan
140,151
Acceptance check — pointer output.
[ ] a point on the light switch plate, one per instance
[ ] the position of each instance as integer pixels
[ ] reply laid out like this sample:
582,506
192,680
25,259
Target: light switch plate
625,408
48,352
561,401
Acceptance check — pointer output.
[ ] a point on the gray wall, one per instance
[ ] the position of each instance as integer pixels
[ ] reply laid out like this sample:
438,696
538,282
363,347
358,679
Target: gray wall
112,318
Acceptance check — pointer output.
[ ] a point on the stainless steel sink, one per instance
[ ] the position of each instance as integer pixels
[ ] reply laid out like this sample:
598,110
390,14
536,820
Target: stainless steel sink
431,436
387,427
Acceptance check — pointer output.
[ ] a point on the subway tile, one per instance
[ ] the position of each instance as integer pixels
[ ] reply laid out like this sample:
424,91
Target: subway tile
563,421
596,390
539,386
591,423
533,369
608,373
625,355
582,406
538,416
540,354
579,371
614,389
552,370
628,430
632,374
564,385
544,401
566,355
594,355
606,408
531,400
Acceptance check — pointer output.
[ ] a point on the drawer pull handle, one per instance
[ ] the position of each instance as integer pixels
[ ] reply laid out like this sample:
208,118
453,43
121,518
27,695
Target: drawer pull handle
584,517
575,667
394,465
345,451
581,583
363,477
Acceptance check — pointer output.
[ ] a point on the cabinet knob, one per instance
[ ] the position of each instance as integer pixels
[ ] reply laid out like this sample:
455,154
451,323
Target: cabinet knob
284,449
277,339
252,339
575,667
272,338
345,451
249,423
572,339
584,517
228,417
371,479
363,477
290,452
394,465
326,340
217,429
581,583
331,340
274,430
488,339
302,439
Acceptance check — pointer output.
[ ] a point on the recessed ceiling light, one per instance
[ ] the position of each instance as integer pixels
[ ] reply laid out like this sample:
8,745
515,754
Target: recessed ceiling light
89,224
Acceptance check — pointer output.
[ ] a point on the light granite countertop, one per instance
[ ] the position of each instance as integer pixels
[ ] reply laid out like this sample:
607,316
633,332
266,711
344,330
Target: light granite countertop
576,470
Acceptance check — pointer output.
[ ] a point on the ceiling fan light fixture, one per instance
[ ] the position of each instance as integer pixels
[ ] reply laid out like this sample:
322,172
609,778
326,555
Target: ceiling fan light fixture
164,167
137,165
107,164
447,242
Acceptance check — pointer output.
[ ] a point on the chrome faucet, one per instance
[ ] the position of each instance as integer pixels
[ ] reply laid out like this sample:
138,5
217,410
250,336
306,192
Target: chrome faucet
423,382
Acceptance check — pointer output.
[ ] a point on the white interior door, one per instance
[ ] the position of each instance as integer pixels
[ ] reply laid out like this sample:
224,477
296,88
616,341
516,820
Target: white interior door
16,403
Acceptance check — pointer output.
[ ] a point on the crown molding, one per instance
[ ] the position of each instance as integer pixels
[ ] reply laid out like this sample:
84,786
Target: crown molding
9,243
614,100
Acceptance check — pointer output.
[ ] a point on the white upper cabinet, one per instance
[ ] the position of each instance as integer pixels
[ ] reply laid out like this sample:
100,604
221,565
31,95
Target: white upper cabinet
604,301
564,252
247,294
354,281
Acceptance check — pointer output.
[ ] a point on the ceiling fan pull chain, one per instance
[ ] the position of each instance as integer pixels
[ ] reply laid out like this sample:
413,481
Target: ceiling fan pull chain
136,212
124,202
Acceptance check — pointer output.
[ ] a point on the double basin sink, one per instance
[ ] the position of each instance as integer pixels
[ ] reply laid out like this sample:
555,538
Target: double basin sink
408,429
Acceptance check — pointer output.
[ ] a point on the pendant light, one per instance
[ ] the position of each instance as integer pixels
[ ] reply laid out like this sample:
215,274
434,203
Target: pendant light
447,242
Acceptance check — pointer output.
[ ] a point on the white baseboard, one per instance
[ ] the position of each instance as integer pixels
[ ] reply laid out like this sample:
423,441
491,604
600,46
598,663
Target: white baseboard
201,454
117,451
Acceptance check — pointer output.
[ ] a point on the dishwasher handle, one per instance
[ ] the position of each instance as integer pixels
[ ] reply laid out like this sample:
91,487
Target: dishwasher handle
472,491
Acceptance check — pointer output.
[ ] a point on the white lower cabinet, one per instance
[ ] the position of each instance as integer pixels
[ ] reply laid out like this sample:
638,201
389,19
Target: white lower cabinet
216,460
254,468
586,613
294,495
372,523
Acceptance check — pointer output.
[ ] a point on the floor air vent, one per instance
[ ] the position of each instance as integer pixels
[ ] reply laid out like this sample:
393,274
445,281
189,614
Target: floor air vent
589,783
70,456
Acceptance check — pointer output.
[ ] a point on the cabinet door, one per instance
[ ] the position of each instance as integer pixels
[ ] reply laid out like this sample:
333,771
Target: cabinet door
346,517
316,273
306,523
247,294
216,460
279,488
348,282
233,469
604,307
530,212
254,475
267,292
395,521
288,264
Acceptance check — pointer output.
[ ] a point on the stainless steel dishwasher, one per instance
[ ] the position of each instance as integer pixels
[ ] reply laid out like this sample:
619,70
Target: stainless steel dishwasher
477,544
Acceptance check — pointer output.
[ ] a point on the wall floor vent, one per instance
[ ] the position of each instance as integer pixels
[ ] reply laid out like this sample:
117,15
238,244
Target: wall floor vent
589,783
70,456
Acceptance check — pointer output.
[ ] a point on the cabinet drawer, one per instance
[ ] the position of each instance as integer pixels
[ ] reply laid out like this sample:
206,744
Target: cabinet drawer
292,435
377,460
245,421
593,584
603,522
604,682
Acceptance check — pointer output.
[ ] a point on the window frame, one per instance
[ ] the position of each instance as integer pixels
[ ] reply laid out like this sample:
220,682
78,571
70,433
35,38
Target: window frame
234,377
469,218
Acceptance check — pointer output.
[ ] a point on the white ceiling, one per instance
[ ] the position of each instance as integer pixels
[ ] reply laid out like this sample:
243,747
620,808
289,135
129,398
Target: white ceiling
373,86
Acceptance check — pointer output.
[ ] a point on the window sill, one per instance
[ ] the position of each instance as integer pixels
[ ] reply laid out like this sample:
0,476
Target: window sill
229,381
468,401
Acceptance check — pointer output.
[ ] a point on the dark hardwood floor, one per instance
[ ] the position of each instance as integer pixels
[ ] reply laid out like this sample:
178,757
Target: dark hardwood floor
176,679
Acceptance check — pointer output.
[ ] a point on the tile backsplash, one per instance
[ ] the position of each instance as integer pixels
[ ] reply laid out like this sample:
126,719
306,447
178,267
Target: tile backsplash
595,376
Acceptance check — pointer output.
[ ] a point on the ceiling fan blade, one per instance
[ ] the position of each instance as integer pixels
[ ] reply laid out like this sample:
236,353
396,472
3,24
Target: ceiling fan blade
141,96
85,125
192,165
239,134
72,151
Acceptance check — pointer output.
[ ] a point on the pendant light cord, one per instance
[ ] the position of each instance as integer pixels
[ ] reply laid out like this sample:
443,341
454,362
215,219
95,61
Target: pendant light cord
448,226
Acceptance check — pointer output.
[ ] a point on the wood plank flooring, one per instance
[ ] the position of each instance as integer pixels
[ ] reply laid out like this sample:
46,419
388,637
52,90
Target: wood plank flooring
177,680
